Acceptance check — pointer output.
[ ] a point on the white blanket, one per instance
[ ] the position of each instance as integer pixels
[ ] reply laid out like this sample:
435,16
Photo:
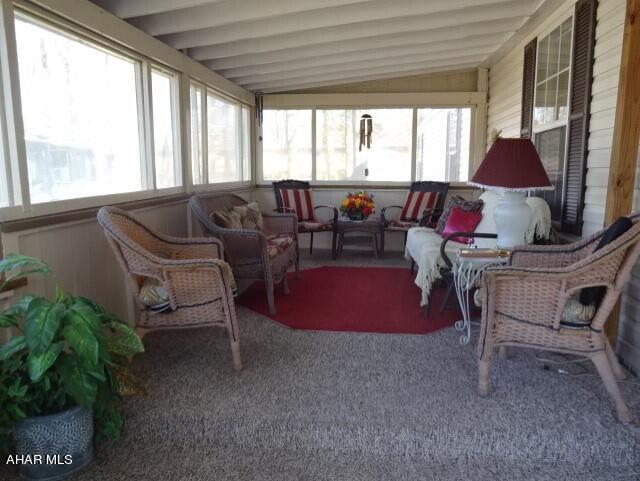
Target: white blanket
423,244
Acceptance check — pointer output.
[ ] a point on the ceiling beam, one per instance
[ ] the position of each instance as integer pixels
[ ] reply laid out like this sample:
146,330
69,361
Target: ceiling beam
350,33
372,53
131,8
231,12
365,78
361,65
376,10
342,76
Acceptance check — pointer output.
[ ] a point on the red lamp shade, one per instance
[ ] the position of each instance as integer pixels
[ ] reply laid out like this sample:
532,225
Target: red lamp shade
512,165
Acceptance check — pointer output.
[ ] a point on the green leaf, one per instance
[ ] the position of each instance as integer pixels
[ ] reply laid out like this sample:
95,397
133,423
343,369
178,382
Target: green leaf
82,341
17,389
14,345
59,295
125,341
38,364
19,308
8,321
84,313
76,382
41,324
24,265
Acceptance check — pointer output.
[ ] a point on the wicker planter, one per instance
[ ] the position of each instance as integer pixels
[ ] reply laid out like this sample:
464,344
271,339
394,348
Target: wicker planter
64,442
356,216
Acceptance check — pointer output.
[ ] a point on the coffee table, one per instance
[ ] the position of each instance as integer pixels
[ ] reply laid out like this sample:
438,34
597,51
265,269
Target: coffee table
359,232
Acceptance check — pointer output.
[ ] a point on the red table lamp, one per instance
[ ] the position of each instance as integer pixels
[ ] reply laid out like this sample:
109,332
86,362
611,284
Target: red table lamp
513,168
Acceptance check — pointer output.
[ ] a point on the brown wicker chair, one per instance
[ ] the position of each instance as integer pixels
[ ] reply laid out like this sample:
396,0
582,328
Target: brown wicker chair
523,303
190,269
247,249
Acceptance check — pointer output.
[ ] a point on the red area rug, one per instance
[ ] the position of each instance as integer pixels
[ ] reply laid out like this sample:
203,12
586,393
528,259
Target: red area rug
355,299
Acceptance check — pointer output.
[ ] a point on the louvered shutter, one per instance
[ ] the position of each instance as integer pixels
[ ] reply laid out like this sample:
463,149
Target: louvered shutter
584,34
528,88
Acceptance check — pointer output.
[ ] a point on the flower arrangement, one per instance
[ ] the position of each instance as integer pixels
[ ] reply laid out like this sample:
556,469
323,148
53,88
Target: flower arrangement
358,206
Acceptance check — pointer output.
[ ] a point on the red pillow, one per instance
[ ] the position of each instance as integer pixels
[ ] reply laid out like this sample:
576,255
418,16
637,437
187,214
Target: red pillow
461,221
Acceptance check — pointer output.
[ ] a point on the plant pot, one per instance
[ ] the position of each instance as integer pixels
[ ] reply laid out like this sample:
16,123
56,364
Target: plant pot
356,216
63,440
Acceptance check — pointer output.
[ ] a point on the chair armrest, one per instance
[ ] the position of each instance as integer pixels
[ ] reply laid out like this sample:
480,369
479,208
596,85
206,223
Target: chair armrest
332,208
384,210
284,210
475,235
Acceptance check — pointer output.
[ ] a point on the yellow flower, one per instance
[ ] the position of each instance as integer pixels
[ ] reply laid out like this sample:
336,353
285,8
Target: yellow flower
345,202
357,202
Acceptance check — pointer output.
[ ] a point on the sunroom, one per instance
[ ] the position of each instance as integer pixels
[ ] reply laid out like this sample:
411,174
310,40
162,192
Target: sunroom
322,239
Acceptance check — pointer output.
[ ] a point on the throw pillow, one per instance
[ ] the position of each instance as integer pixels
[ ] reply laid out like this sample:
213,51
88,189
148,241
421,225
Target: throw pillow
594,295
459,202
227,219
250,216
154,295
461,221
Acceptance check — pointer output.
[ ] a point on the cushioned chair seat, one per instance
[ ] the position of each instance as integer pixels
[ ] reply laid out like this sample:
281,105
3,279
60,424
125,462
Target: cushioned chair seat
314,226
401,225
277,244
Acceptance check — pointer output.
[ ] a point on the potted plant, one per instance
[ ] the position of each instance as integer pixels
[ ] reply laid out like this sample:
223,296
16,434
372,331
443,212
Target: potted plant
62,375
358,206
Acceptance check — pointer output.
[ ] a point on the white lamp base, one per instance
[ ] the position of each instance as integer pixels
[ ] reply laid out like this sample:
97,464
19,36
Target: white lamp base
512,216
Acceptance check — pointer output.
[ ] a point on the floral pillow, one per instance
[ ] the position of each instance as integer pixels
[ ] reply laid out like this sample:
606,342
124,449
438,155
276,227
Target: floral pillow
461,203
240,217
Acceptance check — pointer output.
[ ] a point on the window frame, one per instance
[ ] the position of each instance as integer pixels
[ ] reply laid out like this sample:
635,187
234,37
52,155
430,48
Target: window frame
539,129
182,71
262,182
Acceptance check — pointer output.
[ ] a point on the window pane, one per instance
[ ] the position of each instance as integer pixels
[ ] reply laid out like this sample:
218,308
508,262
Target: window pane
543,58
197,157
554,52
338,154
565,44
246,143
166,175
4,178
223,139
80,117
563,96
286,144
550,146
442,144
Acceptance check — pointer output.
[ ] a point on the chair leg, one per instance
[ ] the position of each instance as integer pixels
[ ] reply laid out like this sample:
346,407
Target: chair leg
601,361
483,372
447,296
413,266
311,244
270,298
382,241
617,369
334,244
235,353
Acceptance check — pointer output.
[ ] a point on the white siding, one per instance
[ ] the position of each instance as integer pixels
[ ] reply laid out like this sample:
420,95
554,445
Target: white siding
505,99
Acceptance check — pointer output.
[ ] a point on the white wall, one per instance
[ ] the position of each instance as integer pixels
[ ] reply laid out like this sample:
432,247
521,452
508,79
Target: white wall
505,99
394,242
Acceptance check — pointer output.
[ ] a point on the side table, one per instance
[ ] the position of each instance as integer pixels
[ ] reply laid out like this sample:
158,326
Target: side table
467,273
369,231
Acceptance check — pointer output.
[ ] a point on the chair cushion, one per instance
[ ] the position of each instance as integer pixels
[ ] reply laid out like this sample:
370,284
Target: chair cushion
278,243
459,202
461,221
577,314
398,224
594,295
301,201
314,226
416,203
250,216
154,295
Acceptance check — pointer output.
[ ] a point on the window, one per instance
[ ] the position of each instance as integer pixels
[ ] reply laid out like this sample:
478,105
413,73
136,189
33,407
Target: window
5,200
223,139
197,154
442,144
246,143
550,110
79,108
286,144
338,153
167,167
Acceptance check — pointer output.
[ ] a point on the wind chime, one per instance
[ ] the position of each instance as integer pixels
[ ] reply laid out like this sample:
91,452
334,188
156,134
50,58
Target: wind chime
366,129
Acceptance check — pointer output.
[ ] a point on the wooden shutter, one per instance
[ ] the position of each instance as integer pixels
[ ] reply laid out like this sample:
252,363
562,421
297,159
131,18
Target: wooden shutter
584,34
528,88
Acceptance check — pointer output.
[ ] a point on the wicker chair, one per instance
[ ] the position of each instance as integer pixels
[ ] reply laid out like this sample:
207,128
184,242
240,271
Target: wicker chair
426,218
191,271
247,249
307,224
523,303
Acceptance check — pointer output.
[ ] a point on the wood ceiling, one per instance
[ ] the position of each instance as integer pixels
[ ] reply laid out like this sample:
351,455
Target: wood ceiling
285,45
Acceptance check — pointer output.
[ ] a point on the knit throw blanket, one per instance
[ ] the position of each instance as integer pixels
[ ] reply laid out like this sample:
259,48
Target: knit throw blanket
430,263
